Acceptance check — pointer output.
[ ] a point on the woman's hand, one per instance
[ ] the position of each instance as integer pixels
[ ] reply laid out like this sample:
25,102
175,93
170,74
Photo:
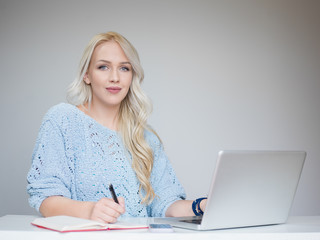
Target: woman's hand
107,211
203,204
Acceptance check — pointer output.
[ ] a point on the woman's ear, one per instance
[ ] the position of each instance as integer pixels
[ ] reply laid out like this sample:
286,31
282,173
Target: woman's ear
86,79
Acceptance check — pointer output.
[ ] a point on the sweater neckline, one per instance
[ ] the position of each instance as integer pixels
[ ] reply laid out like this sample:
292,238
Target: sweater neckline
77,110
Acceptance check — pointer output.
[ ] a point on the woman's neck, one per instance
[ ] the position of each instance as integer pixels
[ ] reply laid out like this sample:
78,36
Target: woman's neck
106,116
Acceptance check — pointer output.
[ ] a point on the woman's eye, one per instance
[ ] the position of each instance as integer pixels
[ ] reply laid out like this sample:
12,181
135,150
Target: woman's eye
103,67
125,69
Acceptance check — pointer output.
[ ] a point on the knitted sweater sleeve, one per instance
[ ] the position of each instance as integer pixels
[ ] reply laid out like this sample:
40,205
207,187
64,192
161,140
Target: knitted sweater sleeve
164,181
50,173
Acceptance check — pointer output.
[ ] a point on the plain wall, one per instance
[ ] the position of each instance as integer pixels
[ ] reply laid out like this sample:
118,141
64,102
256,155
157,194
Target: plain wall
229,74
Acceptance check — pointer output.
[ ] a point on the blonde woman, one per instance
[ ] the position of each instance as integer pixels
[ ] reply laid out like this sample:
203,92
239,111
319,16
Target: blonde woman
100,137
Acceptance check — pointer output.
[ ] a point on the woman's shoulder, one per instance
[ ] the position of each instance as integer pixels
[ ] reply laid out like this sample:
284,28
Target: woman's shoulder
64,117
61,111
152,138
60,108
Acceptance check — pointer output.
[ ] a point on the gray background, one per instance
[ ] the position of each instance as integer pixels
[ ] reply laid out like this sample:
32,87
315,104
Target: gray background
242,74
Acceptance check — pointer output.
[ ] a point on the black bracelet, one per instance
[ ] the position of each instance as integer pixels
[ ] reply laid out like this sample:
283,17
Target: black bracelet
196,206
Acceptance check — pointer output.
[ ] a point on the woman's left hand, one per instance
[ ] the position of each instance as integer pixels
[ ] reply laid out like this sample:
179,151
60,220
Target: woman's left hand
203,204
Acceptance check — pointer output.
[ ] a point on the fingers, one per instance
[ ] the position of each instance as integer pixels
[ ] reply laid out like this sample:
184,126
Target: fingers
106,210
121,202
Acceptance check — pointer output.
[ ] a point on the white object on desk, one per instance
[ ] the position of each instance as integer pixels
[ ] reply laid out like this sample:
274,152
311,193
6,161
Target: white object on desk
160,228
249,188
74,224
19,227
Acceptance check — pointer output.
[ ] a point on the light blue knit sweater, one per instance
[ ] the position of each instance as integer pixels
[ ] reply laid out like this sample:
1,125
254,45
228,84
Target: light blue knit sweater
78,158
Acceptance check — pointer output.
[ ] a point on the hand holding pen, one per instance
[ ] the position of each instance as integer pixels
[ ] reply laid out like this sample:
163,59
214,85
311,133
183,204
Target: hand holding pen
108,210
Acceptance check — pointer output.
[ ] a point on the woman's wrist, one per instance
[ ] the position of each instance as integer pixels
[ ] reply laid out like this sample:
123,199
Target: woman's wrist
196,206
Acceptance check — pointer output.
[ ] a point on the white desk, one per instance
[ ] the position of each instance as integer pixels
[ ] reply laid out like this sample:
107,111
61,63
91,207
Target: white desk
19,227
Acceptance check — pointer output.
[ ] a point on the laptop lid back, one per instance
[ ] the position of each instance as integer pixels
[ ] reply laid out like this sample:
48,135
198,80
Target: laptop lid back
251,188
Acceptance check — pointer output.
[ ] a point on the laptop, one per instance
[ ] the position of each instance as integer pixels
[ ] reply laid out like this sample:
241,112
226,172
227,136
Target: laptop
248,188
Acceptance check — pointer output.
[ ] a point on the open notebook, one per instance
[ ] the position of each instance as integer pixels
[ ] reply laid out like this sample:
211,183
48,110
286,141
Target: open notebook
73,224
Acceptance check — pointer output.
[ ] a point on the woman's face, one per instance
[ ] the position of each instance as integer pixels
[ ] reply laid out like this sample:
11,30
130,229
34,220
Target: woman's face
110,75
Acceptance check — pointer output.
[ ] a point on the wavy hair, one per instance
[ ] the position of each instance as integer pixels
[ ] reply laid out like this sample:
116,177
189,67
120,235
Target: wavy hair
133,113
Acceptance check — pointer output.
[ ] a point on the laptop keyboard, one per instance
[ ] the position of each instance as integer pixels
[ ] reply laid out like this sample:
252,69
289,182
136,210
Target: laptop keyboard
194,221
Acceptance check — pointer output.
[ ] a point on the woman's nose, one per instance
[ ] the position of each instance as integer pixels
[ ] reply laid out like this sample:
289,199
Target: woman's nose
115,76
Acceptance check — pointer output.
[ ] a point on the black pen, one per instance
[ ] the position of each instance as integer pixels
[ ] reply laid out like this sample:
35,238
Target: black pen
113,194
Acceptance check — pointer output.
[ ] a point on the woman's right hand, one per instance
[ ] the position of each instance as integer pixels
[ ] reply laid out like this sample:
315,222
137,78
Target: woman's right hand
107,211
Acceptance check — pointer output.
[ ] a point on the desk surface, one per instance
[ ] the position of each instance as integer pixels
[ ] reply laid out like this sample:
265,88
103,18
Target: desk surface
302,227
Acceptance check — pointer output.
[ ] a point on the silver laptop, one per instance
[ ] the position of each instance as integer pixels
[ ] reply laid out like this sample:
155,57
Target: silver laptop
248,188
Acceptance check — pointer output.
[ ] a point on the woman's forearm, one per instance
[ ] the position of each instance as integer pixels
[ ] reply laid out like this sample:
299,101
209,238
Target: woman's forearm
58,205
183,208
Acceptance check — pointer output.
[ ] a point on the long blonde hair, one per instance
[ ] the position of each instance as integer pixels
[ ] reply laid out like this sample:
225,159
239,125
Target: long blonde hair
133,113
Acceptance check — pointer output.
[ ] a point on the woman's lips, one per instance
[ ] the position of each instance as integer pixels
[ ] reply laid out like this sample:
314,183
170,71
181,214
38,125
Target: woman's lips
113,89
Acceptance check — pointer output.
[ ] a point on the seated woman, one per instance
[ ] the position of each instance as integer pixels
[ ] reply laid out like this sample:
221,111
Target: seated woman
100,137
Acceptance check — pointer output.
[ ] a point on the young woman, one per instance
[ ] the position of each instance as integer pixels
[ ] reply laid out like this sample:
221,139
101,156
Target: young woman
102,137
